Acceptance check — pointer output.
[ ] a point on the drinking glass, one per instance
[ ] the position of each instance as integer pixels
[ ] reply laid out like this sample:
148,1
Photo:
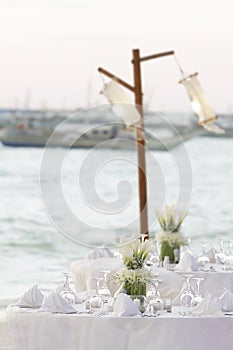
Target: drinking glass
203,259
220,256
197,295
229,257
153,256
65,290
140,301
104,291
96,301
185,248
187,294
155,305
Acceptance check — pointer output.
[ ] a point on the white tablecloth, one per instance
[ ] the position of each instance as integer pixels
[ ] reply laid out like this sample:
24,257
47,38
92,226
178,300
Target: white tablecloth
37,331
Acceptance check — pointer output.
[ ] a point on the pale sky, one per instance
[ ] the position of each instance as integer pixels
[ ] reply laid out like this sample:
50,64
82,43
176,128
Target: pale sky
51,49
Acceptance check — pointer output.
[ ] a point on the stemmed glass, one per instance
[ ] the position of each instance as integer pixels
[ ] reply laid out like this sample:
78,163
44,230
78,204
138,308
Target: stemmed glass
186,247
104,291
197,295
153,257
187,294
229,257
203,258
220,256
155,305
65,290
96,301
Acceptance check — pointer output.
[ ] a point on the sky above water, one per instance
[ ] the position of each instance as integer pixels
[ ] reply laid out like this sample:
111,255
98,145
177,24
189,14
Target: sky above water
50,50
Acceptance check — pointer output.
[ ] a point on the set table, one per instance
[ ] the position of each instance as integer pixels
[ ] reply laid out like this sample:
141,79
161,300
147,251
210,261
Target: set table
30,329
33,330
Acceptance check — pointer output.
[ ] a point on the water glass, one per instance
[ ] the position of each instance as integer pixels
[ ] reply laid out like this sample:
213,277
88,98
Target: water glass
96,301
203,259
140,301
229,257
187,294
220,255
155,306
167,305
65,290
104,291
197,295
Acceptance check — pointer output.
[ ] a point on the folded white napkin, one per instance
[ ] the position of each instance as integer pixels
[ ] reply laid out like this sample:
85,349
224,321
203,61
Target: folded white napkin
209,306
187,263
171,282
31,298
124,306
226,300
211,252
54,303
100,252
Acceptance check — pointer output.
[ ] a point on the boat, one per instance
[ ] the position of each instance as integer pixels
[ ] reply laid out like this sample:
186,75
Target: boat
89,135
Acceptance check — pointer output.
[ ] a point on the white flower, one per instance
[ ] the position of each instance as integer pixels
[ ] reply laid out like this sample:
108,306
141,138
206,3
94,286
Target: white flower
170,219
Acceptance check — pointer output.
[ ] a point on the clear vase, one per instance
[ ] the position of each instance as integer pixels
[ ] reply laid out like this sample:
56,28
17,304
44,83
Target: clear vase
167,249
137,288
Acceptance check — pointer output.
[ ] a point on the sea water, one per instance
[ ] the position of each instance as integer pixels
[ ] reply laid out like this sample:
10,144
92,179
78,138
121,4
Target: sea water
33,251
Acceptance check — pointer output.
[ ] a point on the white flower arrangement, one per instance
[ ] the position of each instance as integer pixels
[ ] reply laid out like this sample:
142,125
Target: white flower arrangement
172,238
170,219
135,253
129,276
134,275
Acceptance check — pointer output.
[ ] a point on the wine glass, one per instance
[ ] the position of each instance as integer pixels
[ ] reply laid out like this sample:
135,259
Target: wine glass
65,290
220,256
203,259
153,256
187,294
152,291
186,247
155,305
229,257
104,291
96,300
197,295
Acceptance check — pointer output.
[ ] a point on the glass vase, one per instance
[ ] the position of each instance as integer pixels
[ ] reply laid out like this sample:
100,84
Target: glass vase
167,249
137,288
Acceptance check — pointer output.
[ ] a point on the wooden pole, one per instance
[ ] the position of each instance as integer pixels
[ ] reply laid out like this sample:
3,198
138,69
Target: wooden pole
140,133
140,139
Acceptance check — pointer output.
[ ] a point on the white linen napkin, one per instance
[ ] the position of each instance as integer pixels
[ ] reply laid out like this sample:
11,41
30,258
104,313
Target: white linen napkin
226,300
187,263
211,252
124,306
171,282
54,303
209,306
31,298
100,252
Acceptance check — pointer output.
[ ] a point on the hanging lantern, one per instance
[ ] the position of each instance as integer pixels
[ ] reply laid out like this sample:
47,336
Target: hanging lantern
200,104
121,103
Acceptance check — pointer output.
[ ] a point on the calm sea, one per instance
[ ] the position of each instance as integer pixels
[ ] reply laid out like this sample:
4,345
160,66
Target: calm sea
33,251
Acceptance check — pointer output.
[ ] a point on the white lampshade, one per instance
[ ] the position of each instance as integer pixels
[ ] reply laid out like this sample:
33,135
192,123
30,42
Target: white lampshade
121,103
200,104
